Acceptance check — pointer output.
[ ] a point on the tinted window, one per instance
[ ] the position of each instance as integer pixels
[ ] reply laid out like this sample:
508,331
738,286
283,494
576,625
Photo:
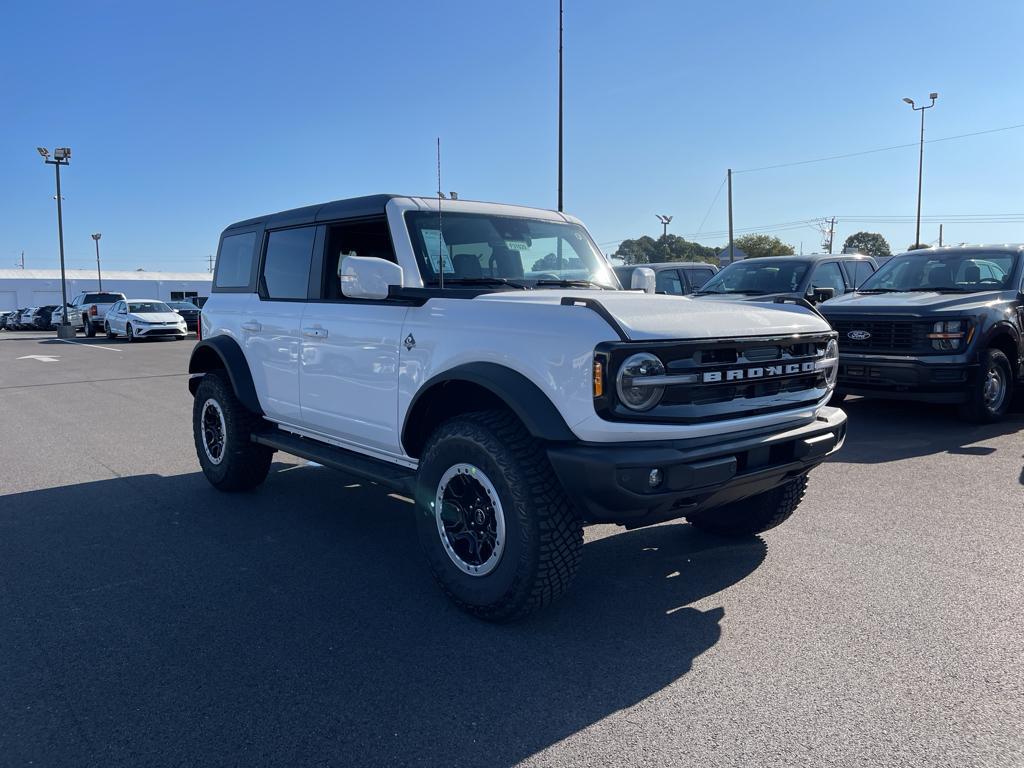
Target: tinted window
234,262
862,270
964,271
667,281
286,266
102,298
829,275
700,276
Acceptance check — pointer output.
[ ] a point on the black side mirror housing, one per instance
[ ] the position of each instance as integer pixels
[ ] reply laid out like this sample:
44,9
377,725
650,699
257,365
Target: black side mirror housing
819,295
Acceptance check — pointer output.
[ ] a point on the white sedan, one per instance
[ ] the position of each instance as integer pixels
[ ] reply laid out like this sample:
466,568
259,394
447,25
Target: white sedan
143,319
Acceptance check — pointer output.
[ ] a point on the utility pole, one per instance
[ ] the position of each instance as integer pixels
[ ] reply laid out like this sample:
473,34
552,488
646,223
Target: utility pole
827,227
729,177
22,259
664,223
831,233
940,235
920,161
99,275
560,13
209,258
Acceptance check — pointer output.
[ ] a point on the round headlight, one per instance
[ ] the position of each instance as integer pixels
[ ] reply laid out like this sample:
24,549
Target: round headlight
634,391
829,363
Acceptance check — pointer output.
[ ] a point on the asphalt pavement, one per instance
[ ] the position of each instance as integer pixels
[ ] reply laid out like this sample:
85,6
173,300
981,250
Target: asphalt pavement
146,619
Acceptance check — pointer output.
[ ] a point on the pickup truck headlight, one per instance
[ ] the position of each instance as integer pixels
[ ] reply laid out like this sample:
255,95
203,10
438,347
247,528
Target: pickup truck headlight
829,363
948,335
637,382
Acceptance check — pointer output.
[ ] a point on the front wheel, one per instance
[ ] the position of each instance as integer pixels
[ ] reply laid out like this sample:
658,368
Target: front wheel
110,333
753,515
498,531
130,333
222,430
989,397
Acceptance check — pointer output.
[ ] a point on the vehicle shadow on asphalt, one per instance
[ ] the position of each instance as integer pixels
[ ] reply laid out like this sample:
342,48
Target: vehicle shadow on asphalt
890,430
152,620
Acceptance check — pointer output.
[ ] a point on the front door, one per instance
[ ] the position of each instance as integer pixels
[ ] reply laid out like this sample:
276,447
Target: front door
350,348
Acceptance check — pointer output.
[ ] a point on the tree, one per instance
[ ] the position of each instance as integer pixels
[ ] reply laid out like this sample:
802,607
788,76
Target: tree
647,250
871,243
756,246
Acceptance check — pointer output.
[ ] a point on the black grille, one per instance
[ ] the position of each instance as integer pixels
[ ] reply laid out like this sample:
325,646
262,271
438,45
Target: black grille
886,335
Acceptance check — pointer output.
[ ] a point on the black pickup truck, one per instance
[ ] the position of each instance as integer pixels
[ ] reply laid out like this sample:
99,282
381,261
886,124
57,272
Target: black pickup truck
941,325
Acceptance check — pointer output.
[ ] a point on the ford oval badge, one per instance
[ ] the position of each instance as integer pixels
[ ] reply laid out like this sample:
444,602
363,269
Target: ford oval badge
858,335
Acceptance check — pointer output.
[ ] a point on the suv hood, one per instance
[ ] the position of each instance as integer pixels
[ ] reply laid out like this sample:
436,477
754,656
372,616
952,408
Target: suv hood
645,317
910,303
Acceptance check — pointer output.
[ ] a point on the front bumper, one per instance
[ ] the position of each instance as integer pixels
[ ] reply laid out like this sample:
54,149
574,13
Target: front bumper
159,331
945,379
609,483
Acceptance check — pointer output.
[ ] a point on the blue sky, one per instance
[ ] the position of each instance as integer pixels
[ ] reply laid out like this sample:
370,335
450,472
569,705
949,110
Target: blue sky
184,117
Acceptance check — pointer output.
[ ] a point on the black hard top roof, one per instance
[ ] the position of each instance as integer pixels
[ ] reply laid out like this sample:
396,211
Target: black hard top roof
368,205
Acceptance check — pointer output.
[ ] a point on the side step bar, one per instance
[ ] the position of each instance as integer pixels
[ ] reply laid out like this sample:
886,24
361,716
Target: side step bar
397,478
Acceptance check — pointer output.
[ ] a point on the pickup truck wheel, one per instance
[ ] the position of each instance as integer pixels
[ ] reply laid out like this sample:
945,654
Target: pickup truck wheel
989,397
754,515
89,328
222,429
498,531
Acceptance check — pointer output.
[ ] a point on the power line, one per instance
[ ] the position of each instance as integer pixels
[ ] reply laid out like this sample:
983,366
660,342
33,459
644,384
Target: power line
878,149
710,207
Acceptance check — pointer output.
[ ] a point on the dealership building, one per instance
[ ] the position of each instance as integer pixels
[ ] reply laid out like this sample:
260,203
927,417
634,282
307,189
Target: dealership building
38,287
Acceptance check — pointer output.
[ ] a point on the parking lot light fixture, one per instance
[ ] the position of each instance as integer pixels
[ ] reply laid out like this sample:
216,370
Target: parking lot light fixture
99,275
61,156
920,161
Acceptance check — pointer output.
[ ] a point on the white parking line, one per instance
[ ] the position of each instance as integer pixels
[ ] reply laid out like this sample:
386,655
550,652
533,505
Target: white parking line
94,346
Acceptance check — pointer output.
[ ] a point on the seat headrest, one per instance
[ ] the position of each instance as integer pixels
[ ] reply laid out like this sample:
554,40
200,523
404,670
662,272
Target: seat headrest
467,265
505,262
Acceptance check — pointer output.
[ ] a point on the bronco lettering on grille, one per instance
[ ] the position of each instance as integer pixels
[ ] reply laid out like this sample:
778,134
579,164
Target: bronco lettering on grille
762,372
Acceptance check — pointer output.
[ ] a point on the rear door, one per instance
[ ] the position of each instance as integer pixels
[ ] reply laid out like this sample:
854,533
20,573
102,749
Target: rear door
272,320
350,347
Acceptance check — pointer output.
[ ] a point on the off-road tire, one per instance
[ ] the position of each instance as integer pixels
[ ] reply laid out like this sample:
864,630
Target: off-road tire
543,536
89,328
977,409
245,464
753,515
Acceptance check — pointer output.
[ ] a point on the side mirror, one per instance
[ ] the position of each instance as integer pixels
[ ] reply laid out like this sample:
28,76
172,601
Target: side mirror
367,277
642,279
819,295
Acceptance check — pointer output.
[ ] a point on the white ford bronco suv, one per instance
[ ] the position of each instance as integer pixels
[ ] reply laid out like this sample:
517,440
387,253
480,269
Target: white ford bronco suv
484,360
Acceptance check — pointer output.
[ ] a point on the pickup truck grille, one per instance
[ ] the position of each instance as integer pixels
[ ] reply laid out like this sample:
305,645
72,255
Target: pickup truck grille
726,379
885,335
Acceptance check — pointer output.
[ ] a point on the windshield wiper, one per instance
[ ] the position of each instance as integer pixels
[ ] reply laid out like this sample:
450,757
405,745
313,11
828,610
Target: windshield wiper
481,281
568,283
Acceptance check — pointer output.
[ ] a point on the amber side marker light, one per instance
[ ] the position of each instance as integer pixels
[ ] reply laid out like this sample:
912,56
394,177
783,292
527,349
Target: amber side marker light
598,378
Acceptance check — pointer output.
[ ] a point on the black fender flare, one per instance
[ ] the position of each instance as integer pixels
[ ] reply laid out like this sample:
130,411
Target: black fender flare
205,357
524,398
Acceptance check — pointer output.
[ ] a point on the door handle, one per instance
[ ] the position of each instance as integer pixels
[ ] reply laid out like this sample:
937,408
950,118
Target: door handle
251,325
315,333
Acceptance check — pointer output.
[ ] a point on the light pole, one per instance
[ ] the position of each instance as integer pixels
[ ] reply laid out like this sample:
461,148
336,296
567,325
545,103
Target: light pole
664,223
99,274
61,156
920,161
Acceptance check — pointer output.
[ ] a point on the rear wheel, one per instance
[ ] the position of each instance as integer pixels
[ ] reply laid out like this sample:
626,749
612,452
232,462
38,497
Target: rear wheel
754,515
989,397
497,529
90,329
222,430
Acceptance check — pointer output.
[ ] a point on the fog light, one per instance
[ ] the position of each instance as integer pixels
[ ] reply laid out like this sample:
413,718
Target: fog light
655,477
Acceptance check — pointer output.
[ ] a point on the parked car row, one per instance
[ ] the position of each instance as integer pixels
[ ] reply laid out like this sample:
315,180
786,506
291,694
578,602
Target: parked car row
110,313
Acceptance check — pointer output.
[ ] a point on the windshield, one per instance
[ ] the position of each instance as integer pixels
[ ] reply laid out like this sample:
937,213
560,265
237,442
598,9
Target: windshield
961,272
182,305
758,276
478,248
143,307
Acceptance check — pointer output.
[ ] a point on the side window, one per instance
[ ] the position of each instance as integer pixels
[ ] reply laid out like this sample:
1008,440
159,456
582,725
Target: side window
361,237
234,262
862,270
286,264
828,275
667,281
700,276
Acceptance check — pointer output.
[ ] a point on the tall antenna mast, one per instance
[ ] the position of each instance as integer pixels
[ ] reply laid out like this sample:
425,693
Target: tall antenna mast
560,15
440,235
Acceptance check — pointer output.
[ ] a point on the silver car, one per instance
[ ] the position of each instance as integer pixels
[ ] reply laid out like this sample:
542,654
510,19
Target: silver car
143,319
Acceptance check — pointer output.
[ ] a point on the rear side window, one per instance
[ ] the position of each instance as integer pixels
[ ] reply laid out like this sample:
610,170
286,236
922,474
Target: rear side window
667,281
234,262
862,270
286,266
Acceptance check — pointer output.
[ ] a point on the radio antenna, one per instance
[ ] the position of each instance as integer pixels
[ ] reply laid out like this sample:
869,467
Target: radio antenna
440,236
